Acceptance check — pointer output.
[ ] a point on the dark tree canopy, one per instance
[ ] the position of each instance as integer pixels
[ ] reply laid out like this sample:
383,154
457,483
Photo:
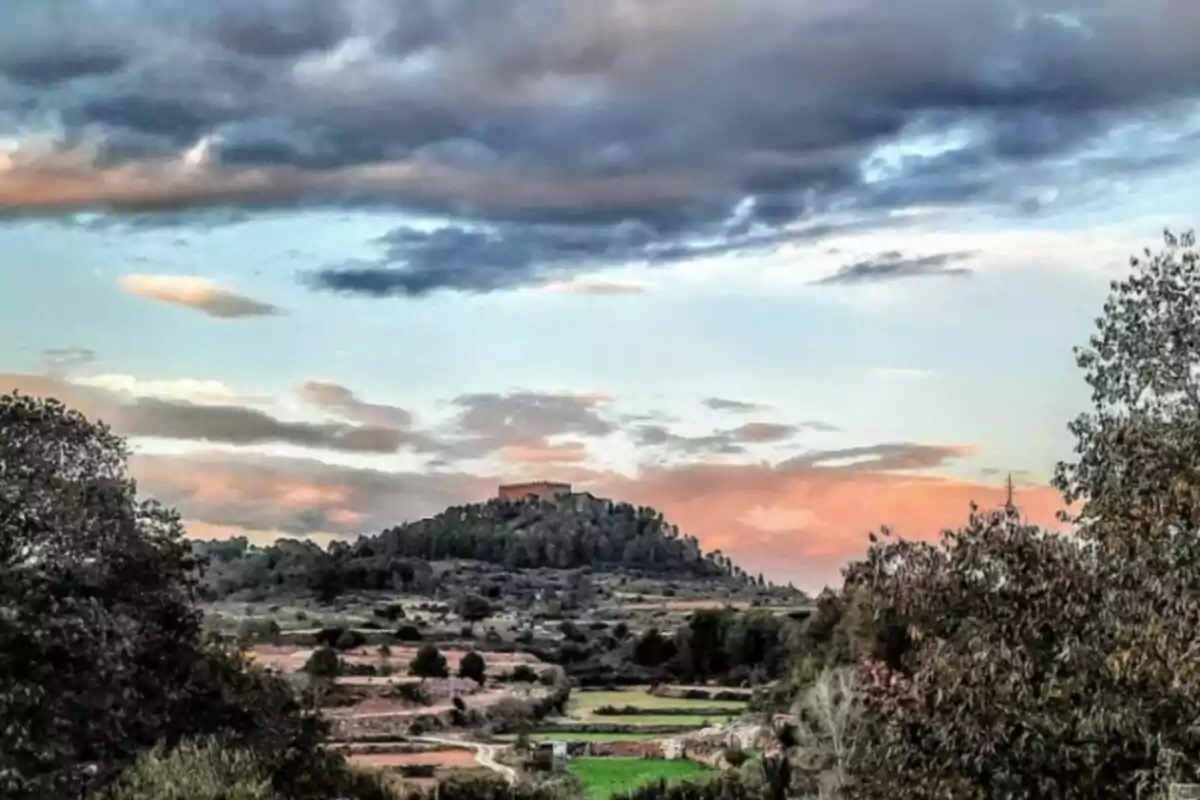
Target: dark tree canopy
472,666
429,663
1036,664
101,655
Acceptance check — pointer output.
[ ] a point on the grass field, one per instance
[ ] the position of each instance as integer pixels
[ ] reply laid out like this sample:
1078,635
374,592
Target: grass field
604,777
674,720
584,703
560,736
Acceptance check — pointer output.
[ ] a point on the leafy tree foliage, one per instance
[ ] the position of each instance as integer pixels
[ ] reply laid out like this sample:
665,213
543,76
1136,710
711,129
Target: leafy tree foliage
472,666
196,771
580,532
733,647
429,663
1033,664
474,608
101,654
323,663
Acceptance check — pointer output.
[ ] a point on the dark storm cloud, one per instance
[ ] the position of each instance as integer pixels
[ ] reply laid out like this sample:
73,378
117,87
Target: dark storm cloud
481,260
894,266
557,136
44,69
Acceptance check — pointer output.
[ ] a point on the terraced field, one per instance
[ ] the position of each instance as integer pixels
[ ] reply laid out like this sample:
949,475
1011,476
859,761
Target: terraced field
604,777
586,703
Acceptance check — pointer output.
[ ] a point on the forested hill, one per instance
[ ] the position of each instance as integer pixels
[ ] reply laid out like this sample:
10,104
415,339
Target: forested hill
571,532
575,531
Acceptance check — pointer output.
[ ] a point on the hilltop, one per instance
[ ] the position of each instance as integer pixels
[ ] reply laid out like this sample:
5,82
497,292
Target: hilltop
553,532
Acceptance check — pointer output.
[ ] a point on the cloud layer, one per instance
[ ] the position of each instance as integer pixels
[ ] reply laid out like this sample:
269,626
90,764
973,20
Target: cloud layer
198,293
547,137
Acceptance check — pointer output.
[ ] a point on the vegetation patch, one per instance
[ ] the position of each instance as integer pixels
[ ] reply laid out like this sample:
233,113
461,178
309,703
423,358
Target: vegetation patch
604,777
640,701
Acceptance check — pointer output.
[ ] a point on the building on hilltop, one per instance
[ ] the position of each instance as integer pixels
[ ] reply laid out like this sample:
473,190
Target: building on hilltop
542,490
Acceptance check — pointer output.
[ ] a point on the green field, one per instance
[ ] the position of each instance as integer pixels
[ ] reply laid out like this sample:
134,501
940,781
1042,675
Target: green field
674,720
584,703
563,736
604,777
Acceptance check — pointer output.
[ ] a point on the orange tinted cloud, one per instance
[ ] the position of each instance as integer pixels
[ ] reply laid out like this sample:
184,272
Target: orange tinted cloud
803,525
799,520
198,293
561,453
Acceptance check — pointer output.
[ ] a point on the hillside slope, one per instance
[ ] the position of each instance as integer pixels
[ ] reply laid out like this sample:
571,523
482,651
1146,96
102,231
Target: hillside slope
571,532
565,534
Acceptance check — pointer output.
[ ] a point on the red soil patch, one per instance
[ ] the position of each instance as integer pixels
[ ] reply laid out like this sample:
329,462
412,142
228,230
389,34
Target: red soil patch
437,758
292,657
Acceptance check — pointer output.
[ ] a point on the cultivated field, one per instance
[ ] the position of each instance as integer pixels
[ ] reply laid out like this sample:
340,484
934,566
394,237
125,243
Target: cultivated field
604,777
586,703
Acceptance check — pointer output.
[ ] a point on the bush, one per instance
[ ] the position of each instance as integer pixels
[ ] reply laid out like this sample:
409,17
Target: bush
390,612
195,771
349,639
255,631
328,636
408,633
523,673
429,663
474,608
473,666
323,663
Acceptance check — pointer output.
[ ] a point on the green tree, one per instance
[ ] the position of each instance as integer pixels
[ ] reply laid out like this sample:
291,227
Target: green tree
429,663
523,673
472,666
1040,665
101,654
196,771
474,608
323,663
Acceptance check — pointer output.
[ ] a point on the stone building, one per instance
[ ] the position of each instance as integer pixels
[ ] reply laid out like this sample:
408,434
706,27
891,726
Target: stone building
543,490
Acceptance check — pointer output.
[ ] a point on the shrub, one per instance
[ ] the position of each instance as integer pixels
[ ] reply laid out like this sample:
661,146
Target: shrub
390,612
349,639
474,608
202,770
408,633
254,631
473,666
523,673
429,663
328,636
323,663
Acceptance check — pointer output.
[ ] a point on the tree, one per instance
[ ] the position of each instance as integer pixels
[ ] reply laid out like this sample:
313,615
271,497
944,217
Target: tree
323,663
101,654
474,608
429,663
472,666
97,589
523,673
1134,477
1032,664
829,721
197,770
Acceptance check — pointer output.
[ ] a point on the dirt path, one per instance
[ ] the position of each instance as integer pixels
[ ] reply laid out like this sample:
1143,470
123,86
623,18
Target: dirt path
485,755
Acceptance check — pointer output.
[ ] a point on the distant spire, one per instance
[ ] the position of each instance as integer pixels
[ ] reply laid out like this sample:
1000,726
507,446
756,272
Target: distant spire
1010,507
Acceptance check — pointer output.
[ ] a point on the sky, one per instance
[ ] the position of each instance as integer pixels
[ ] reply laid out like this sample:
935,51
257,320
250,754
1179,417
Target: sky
786,270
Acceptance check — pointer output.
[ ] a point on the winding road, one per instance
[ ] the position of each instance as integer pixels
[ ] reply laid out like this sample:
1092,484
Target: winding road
485,754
